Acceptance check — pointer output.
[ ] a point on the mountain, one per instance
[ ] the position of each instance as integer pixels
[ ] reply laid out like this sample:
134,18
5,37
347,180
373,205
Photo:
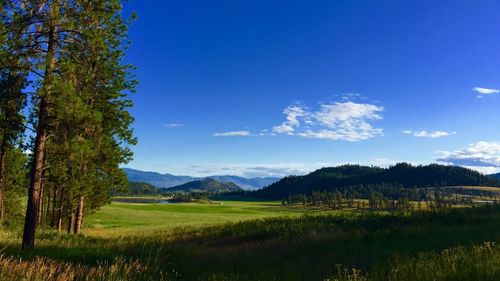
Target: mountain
207,184
247,183
403,175
156,179
168,180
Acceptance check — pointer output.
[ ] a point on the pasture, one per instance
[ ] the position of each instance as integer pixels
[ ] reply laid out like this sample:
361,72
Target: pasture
246,240
119,219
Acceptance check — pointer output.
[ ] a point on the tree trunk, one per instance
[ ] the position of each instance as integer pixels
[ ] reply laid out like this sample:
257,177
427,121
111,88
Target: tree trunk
59,224
71,222
40,142
40,205
48,204
54,204
3,155
79,216
60,210
35,183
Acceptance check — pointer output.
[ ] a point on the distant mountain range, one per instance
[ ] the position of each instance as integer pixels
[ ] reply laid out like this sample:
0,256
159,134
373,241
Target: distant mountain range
206,185
402,175
168,180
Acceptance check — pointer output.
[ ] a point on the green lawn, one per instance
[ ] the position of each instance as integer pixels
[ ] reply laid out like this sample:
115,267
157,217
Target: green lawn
129,218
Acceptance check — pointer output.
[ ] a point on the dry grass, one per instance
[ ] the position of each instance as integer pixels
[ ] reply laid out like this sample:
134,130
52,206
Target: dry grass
42,269
479,188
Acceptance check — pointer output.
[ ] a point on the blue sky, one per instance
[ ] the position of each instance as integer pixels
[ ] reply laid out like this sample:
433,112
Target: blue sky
260,88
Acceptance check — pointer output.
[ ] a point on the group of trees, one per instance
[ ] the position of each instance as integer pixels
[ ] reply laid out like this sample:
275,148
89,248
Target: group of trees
12,160
376,197
402,174
137,189
382,198
63,58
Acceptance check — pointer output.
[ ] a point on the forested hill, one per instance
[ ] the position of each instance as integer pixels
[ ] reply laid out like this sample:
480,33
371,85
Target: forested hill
206,185
495,176
403,175
139,189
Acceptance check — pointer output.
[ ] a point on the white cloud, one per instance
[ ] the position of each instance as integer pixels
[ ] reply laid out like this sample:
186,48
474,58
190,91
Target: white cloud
250,170
284,129
173,125
482,156
342,134
347,121
293,114
485,91
426,134
233,134
484,170
271,169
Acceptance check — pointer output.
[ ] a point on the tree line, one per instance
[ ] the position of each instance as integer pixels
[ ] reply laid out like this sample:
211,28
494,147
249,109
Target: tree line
64,119
382,198
402,174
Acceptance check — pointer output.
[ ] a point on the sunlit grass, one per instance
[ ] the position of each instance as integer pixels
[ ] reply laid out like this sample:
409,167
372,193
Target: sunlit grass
127,219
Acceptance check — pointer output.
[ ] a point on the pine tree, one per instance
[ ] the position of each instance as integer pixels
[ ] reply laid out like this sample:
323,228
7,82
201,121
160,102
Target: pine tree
12,101
74,49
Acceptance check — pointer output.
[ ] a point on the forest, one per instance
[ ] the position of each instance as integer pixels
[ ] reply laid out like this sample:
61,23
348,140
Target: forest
394,181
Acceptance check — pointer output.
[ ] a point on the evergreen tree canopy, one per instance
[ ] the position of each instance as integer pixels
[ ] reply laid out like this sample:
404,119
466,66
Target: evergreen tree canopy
402,174
73,52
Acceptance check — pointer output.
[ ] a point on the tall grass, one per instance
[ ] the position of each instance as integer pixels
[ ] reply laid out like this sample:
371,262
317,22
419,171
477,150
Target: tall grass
475,263
43,269
446,244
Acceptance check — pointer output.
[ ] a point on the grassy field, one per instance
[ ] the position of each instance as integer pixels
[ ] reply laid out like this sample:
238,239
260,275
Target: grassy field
480,188
240,240
133,219
490,190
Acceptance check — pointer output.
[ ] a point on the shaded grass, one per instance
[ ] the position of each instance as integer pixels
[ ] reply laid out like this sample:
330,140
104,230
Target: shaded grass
307,248
475,263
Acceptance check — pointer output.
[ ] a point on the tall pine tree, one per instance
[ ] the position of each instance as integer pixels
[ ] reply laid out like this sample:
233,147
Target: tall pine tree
74,51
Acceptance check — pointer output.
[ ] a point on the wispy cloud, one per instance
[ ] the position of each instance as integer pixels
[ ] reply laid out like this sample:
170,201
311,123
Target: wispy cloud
293,113
485,91
173,125
426,134
482,155
348,121
233,134
253,170
274,169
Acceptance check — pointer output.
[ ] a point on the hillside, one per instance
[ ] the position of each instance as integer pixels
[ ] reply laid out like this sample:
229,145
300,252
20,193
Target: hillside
495,176
137,189
401,175
156,179
206,185
141,188
168,180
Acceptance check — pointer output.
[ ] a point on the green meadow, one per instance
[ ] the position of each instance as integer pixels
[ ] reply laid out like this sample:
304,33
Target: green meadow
126,219
252,240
